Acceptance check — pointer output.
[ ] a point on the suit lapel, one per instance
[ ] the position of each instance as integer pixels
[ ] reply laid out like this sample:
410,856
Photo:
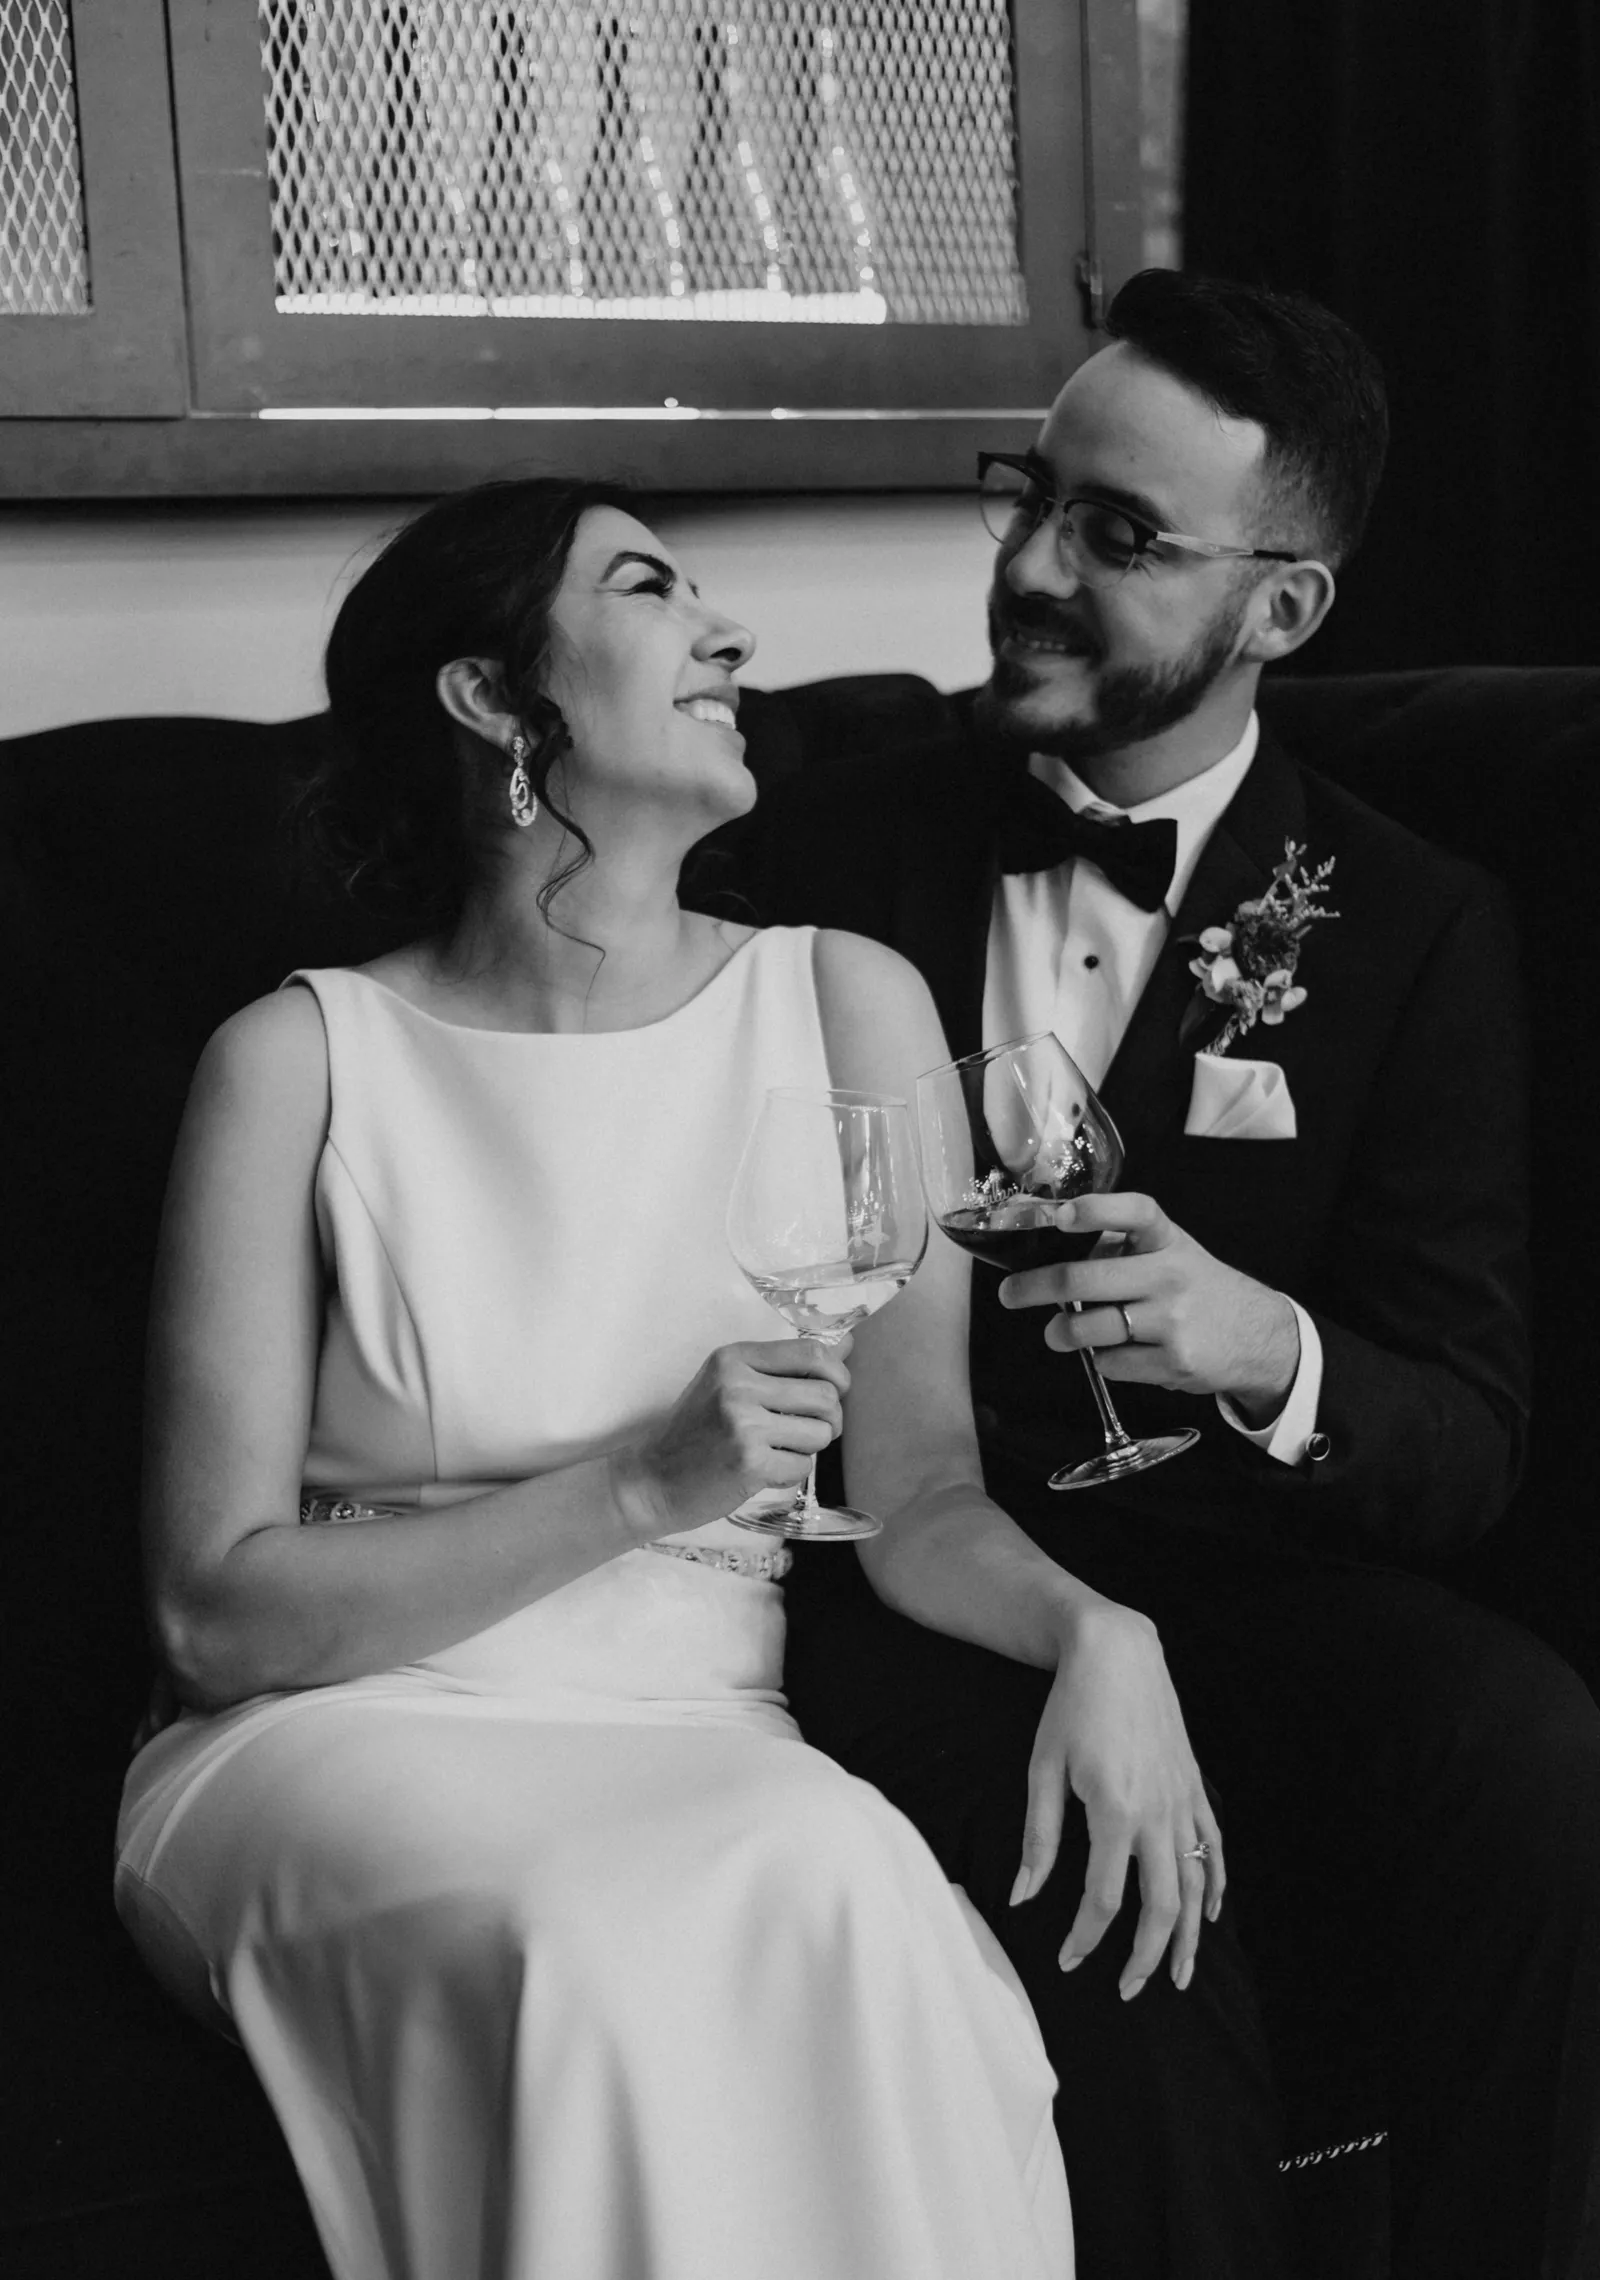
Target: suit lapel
1146,1088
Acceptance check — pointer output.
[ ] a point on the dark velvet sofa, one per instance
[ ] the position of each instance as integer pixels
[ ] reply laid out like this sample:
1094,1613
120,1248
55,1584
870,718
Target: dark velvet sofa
145,893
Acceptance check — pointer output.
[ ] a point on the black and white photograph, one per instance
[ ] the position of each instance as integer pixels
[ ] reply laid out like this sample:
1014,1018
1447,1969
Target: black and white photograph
799,805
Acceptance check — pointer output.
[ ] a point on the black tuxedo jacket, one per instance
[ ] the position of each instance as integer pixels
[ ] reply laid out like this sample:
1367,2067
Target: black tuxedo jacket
1396,1217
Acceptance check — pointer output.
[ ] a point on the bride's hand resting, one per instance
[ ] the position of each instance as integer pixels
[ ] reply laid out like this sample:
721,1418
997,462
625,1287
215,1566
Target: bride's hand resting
752,1417
1113,1733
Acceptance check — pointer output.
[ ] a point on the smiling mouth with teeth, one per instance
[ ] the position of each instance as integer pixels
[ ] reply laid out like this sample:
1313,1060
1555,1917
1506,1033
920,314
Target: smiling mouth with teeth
1041,644
711,709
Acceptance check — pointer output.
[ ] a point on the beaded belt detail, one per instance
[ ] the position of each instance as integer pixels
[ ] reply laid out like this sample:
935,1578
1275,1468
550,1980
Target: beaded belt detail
771,1567
320,1511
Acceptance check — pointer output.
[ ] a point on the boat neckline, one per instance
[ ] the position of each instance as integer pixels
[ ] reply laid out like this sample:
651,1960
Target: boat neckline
563,1036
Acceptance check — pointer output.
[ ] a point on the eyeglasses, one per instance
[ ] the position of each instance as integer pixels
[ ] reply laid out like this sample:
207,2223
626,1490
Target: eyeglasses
1098,544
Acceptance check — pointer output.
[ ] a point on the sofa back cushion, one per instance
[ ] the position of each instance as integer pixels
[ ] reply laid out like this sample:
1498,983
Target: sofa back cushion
146,892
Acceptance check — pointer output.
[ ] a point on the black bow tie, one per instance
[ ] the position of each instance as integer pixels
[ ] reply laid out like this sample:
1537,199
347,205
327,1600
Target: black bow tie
1038,831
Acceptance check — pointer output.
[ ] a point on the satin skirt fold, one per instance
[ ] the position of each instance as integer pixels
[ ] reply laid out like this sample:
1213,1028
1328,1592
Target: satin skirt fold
567,1985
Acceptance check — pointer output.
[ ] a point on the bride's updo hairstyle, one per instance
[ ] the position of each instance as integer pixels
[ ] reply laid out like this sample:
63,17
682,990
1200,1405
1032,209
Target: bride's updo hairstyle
393,814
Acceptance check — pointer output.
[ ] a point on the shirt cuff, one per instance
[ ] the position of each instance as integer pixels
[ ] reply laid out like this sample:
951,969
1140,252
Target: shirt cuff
1287,1436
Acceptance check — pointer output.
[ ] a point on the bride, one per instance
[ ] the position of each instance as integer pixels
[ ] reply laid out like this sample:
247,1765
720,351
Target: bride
484,1827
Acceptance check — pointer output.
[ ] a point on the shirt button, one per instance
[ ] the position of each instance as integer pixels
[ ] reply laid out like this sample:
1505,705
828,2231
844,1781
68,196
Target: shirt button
1318,1447
1091,961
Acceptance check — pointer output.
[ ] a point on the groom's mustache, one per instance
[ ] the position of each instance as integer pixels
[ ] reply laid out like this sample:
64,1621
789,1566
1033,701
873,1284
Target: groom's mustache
1033,617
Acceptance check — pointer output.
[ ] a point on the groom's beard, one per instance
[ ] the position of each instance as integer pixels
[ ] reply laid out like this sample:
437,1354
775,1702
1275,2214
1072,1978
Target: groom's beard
1127,704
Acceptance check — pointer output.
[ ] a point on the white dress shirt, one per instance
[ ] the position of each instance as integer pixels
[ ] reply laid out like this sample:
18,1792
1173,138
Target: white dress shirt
1069,952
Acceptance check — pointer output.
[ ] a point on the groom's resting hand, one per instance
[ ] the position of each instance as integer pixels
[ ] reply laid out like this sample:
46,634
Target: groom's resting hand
1198,1326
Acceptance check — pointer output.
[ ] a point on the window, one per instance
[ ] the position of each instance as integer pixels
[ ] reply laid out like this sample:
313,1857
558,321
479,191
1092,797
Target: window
91,303
769,161
665,234
44,267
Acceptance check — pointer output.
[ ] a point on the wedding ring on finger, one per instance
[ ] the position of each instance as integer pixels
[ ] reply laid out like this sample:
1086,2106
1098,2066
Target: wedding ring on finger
1126,1324
1201,1851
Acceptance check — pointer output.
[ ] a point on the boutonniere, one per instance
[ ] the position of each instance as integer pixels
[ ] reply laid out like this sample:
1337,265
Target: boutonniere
1249,964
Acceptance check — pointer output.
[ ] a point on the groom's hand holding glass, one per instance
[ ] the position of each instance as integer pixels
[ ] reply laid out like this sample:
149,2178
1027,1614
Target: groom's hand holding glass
1163,1311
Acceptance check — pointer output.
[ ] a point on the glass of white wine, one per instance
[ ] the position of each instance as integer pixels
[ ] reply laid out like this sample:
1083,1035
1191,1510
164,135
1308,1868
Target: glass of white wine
827,1220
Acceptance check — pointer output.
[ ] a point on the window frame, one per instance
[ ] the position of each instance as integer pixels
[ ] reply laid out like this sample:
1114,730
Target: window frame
126,355
178,410
249,357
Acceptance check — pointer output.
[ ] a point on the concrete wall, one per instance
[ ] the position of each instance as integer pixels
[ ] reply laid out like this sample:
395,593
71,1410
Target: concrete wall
224,610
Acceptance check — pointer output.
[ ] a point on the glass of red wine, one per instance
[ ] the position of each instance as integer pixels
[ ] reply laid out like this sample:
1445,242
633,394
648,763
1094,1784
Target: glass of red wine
1006,1136
826,1219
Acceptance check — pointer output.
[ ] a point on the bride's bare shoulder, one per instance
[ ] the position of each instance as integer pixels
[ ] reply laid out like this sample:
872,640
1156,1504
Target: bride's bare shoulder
879,1022
272,1050
848,965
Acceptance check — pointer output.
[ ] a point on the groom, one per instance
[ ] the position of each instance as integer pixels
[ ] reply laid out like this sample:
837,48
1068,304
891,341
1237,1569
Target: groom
1320,1265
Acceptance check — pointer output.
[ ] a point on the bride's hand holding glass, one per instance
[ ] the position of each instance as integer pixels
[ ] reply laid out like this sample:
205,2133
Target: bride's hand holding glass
752,1419
827,1221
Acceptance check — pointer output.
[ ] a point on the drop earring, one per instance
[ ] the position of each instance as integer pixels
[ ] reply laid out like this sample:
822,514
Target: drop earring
524,806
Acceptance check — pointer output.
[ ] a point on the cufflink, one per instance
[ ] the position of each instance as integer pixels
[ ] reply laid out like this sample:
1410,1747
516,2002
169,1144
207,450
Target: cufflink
1318,1447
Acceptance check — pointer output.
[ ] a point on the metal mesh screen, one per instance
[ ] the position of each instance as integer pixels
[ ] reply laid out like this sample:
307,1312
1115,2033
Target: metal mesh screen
821,161
44,267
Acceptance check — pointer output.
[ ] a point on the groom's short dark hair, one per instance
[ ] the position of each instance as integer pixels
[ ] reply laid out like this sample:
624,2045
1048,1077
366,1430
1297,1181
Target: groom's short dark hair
1294,368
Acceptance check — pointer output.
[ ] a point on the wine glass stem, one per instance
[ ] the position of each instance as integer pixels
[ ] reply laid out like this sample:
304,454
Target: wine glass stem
805,1508
1118,1443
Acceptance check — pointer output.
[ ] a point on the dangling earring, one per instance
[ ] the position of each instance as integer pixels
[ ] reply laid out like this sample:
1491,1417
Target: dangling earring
524,807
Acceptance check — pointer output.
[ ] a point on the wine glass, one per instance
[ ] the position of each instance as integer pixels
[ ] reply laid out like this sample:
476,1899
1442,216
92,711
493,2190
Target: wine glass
827,1220
1006,1136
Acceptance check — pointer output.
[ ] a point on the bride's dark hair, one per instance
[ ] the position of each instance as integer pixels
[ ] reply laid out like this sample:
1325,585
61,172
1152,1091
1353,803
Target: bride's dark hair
389,813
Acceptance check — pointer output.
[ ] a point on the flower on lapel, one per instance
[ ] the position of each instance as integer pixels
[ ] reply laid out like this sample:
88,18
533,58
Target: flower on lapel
1249,964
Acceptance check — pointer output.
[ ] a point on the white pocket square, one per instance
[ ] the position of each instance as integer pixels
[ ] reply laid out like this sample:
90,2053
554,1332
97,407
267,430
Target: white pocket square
1239,1100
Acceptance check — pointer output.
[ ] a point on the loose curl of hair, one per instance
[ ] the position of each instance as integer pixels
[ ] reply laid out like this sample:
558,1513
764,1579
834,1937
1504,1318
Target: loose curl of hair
389,815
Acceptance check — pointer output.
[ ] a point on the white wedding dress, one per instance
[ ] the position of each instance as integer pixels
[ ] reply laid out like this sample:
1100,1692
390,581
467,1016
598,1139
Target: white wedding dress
560,1954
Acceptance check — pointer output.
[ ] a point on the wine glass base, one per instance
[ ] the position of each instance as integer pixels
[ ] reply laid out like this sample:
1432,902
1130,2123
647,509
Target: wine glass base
1116,1464
841,1524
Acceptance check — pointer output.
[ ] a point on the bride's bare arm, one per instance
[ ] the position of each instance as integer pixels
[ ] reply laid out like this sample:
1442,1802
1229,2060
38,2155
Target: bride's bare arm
243,1599
1111,1731
948,1556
